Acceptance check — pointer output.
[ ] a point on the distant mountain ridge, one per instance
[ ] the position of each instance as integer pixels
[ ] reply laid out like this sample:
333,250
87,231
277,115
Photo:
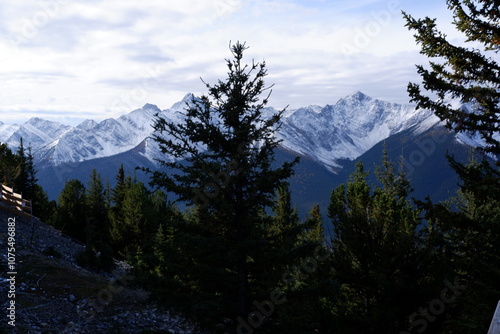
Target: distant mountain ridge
344,130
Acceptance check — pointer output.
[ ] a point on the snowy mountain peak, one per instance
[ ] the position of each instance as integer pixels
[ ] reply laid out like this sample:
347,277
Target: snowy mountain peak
87,124
357,95
181,105
151,107
356,99
36,121
46,128
188,97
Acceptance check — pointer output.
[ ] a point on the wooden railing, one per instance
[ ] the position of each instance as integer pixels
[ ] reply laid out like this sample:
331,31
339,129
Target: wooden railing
13,202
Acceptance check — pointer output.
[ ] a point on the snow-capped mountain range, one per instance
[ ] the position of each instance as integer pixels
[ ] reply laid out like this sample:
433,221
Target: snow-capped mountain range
344,130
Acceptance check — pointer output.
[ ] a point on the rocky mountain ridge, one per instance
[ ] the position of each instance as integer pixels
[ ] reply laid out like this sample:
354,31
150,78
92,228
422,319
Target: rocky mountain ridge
343,130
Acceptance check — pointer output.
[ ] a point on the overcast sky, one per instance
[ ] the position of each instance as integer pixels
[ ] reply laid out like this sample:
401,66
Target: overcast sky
70,60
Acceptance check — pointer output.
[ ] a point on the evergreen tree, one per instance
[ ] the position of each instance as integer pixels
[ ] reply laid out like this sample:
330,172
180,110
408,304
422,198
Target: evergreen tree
159,214
135,215
170,271
96,209
303,277
285,214
135,208
228,146
468,73
32,180
21,184
286,227
380,258
138,224
9,166
118,194
475,235
314,226
71,212
26,184
41,206
471,74
97,226
471,231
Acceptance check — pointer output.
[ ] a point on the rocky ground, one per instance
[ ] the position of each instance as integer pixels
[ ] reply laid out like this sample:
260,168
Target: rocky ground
54,295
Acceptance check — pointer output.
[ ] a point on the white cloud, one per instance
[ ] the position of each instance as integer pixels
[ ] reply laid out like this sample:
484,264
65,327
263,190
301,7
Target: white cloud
75,59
